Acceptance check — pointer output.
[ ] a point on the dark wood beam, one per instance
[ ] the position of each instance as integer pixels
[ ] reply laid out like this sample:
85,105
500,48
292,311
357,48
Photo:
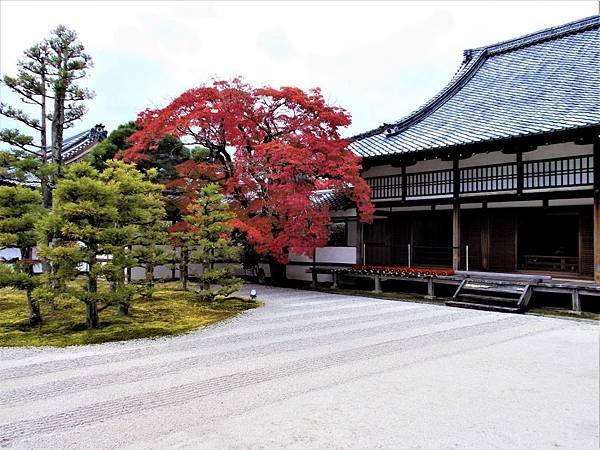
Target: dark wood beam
520,174
404,183
485,240
360,239
490,198
456,236
597,210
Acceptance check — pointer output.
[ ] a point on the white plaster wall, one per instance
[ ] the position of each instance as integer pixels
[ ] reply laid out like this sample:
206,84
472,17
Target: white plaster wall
558,151
486,159
571,201
336,254
345,255
522,204
379,171
10,253
429,165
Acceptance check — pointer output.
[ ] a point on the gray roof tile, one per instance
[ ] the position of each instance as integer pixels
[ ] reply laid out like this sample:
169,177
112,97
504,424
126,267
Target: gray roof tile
543,82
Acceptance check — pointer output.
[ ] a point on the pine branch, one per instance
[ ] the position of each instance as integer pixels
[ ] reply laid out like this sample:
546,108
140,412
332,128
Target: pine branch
13,84
19,140
20,116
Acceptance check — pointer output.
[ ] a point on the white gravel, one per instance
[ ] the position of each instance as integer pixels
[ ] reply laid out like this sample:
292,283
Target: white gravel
316,370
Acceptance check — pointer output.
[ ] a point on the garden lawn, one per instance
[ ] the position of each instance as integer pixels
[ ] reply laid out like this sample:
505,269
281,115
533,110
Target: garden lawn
171,311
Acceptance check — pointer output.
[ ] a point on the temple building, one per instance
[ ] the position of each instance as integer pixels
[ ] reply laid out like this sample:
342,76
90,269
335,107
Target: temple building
497,172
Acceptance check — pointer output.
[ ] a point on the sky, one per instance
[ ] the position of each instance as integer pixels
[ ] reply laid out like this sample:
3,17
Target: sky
377,60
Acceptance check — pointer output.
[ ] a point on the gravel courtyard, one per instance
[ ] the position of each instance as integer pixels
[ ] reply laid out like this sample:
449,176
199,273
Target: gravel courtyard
316,370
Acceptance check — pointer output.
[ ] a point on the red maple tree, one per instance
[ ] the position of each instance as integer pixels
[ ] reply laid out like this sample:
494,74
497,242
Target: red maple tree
272,150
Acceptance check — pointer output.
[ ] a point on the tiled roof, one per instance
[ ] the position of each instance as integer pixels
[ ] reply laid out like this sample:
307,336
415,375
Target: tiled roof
335,200
78,145
540,83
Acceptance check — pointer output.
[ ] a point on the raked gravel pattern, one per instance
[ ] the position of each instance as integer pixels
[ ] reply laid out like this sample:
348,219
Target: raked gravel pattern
314,370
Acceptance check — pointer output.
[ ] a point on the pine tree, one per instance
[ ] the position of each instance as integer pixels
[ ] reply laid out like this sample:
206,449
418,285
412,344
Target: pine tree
141,212
68,62
211,235
149,252
20,207
99,214
46,84
182,238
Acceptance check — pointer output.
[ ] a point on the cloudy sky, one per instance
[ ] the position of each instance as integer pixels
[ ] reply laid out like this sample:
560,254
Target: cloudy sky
377,60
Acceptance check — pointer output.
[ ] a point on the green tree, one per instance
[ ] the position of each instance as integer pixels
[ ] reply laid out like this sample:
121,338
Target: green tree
20,208
168,153
149,252
115,143
182,238
47,75
68,62
211,236
140,215
99,214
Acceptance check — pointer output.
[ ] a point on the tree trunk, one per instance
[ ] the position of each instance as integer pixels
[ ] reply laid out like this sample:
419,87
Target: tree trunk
91,309
185,259
128,269
278,272
122,309
58,118
35,315
206,285
92,320
149,280
44,182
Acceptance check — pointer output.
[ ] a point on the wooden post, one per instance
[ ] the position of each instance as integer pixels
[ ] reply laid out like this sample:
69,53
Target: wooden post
377,289
404,183
455,215
360,239
520,174
315,277
596,237
430,289
597,210
456,236
576,301
485,240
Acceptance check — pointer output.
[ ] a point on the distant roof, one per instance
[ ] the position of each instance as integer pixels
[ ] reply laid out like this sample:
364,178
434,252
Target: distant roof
77,146
540,83
334,200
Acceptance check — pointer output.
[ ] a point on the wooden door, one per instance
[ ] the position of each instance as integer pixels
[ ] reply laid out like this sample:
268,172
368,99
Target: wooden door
377,248
471,229
503,235
399,239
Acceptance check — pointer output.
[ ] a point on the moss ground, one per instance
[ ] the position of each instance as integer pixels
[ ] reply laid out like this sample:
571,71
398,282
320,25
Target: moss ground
171,311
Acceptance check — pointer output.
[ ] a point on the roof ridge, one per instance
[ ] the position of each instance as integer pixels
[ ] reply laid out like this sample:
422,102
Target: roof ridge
538,36
473,59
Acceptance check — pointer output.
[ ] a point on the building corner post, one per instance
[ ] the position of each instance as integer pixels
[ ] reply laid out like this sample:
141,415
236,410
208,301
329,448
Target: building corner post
455,216
360,239
597,209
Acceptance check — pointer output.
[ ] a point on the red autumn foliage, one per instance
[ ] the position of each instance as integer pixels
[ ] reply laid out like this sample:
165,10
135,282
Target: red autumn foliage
271,149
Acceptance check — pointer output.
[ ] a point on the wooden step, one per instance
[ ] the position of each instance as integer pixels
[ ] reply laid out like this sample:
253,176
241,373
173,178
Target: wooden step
516,290
486,298
484,307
